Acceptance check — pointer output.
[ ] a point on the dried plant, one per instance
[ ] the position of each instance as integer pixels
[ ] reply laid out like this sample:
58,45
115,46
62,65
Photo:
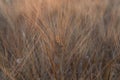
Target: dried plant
59,40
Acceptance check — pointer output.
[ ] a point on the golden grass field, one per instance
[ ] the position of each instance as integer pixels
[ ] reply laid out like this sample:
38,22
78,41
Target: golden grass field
59,39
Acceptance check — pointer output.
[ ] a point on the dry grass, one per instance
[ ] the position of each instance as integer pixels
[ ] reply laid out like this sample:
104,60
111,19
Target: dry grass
59,40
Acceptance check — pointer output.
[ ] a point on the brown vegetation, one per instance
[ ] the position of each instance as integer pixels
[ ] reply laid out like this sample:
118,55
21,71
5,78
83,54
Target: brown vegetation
59,40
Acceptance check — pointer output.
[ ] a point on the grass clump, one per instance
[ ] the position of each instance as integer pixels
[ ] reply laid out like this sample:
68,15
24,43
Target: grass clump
59,40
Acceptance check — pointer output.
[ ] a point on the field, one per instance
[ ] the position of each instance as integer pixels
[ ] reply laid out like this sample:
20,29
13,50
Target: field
59,39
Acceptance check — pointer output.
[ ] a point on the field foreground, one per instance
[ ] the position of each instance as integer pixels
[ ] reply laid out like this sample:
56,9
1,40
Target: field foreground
59,40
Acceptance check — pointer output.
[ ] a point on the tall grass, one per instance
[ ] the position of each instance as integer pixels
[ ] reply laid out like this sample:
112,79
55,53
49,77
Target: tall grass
59,40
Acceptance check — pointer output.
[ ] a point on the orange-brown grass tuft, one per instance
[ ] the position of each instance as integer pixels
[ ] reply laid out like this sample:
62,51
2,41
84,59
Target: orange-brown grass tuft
59,40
